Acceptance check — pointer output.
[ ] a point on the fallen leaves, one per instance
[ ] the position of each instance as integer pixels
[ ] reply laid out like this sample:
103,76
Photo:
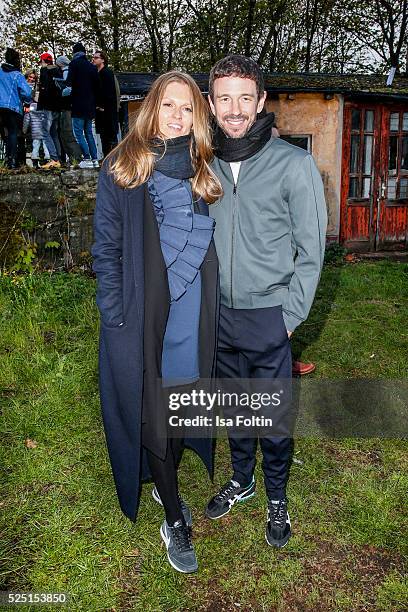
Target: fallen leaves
28,443
133,553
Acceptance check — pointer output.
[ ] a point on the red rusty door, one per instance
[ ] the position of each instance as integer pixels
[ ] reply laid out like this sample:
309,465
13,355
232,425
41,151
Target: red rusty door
392,219
374,195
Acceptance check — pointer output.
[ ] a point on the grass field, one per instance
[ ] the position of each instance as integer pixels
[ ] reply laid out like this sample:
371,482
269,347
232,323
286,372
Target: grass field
61,529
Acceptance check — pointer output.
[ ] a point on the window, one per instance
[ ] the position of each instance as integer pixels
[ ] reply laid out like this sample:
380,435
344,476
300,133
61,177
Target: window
361,153
300,140
397,187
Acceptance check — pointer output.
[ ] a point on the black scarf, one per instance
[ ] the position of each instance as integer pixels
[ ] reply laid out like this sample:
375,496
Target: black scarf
174,157
239,149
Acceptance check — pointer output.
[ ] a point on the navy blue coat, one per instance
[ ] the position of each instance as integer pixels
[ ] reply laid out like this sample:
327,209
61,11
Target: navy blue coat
120,229
83,78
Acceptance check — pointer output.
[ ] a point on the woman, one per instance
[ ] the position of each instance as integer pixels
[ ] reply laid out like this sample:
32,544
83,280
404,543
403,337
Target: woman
157,294
14,91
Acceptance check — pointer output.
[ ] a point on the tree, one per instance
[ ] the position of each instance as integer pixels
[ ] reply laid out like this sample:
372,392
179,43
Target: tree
382,26
39,27
157,35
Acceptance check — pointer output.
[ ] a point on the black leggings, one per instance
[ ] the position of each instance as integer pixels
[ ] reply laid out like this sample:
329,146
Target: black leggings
164,474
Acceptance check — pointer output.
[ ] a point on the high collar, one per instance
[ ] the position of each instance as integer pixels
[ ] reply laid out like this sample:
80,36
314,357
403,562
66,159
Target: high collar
174,157
239,149
9,68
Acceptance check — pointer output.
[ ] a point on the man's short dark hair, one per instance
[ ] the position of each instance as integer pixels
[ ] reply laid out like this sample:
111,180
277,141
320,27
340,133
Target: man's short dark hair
12,57
103,56
238,66
78,47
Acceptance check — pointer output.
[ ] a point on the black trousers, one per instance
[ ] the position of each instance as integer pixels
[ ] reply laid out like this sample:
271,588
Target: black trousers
164,471
253,343
107,126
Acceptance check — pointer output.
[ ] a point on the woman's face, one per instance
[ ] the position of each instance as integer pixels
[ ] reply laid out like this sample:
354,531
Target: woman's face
31,78
176,111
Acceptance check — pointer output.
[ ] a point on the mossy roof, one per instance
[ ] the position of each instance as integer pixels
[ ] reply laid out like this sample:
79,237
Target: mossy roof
357,84
137,84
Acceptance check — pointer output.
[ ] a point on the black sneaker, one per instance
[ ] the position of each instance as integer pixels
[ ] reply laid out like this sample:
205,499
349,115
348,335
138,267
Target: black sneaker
228,495
278,528
185,509
180,550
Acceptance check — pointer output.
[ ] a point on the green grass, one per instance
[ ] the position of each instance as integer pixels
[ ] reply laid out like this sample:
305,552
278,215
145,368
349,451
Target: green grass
61,529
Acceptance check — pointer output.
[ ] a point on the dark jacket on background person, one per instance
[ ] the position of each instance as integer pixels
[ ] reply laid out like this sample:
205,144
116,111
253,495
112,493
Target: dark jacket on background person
107,95
49,94
133,322
107,120
83,78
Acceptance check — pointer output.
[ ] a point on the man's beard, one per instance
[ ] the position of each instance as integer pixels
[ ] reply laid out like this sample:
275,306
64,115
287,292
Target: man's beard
241,116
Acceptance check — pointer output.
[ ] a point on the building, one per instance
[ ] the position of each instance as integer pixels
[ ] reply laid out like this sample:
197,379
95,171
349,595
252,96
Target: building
356,127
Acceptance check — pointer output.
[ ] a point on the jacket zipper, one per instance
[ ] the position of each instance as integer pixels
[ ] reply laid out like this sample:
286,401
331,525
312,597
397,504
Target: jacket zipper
234,204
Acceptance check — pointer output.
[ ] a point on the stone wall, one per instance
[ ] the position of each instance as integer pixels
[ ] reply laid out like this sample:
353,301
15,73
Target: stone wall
42,207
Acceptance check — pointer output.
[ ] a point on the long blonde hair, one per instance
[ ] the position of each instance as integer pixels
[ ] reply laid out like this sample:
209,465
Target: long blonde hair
132,161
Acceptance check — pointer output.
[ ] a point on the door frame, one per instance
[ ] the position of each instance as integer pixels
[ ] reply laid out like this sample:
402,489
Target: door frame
360,244
377,204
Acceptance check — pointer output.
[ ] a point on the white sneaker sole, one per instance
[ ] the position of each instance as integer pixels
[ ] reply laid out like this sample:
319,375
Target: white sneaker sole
166,541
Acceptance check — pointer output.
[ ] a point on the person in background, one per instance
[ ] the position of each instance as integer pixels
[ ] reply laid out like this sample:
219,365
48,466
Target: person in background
35,124
107,104
83,80
31,78
49,101
70,146
14,91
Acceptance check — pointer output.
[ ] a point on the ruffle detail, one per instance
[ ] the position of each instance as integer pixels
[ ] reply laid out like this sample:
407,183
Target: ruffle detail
184,235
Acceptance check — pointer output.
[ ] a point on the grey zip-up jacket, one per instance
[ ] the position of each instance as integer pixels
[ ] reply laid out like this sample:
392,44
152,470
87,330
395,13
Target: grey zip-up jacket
270,231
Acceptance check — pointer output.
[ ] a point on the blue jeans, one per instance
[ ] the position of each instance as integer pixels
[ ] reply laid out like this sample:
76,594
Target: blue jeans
82,129
51,119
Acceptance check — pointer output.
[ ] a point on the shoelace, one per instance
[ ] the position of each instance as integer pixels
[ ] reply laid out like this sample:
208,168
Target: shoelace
225,491
278,513
182,537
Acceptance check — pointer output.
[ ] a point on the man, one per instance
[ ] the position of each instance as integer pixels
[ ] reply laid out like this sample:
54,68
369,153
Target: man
49,101
83,80
69,144
270,238
107,104
14,90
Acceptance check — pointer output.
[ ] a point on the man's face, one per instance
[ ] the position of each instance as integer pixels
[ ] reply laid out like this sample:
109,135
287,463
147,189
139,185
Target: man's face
235,104
97,61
